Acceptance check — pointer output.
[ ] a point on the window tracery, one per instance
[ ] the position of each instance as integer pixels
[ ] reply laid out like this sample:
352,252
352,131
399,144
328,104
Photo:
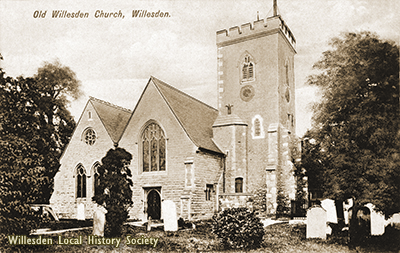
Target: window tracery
89,136
153,148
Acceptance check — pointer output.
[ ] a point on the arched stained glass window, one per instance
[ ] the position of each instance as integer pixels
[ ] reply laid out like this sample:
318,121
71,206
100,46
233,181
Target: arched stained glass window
80,181
153,147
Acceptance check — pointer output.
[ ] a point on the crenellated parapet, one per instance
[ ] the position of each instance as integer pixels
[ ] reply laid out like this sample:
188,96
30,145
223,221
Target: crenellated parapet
255,29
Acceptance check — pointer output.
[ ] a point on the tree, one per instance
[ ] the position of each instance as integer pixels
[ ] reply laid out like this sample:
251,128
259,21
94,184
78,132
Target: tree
114,190
35,109
356,123
35,127
18,173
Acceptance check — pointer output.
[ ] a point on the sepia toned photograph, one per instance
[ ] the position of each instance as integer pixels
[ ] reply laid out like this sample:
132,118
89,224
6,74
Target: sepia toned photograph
199,126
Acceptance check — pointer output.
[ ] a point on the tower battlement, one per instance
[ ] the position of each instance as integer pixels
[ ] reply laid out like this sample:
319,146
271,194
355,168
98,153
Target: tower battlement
255,29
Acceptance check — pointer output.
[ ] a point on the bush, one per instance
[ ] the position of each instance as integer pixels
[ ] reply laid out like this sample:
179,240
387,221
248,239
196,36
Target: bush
114,189
238,228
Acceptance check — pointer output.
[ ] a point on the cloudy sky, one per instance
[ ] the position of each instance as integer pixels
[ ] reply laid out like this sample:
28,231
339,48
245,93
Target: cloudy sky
114,57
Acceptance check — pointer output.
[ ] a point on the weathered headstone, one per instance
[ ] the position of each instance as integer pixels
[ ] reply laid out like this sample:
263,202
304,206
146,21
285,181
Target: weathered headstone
99,219
377,221
394,221
80,212
168,208
329,206
316,222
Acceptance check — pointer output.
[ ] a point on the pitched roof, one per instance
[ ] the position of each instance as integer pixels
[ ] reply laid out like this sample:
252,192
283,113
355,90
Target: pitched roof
196,117
113,117
230,119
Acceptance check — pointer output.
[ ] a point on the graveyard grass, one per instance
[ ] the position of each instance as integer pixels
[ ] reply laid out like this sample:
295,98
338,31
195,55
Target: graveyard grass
281,237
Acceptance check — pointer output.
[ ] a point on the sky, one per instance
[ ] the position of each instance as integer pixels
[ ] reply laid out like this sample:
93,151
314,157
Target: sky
115,57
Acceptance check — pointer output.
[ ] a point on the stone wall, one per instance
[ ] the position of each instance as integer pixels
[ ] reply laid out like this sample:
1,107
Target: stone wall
64,200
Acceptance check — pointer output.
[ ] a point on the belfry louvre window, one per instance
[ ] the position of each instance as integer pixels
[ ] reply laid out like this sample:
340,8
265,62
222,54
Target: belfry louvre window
247,69
153,148
80,182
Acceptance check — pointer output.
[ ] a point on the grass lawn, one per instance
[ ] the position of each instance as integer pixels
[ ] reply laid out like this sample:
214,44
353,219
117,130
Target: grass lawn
278,238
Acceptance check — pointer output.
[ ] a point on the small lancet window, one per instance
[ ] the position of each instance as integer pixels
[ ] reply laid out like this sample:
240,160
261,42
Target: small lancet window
239,185
96,178
257,127
209,190
80,182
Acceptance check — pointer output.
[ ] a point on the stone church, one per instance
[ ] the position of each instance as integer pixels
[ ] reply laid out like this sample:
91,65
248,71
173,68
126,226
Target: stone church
187,151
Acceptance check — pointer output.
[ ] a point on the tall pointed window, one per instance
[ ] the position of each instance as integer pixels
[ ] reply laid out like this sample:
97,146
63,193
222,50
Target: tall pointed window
96,178
247,69
153,147
80,181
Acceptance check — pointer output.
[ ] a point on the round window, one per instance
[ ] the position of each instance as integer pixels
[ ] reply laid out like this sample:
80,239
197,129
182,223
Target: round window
90,136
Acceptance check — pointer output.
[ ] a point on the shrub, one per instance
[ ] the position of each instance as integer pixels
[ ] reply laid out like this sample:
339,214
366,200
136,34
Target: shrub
238,228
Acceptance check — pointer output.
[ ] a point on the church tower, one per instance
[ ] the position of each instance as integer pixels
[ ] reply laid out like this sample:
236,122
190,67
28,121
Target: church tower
256,102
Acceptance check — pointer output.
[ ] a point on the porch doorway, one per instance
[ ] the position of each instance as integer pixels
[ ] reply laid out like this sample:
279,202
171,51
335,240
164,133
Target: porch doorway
153,203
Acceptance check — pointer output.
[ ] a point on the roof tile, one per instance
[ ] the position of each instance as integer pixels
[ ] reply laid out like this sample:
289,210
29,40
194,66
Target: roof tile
114,117
196,117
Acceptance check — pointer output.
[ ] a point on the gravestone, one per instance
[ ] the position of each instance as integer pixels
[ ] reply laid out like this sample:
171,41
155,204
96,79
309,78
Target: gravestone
394,221
168,208
329,206
316,222
80,212
377,221
347,204
99,219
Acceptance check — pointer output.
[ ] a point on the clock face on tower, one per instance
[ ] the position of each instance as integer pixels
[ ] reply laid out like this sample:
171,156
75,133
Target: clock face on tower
247,93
